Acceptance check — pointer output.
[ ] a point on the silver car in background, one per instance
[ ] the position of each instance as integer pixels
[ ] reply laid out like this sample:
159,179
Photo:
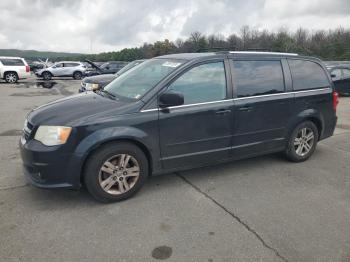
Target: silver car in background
64,68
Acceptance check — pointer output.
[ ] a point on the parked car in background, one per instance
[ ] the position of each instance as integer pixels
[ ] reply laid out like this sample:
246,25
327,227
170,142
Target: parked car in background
64,68
110,67
341,78
177,112
13,68
92,83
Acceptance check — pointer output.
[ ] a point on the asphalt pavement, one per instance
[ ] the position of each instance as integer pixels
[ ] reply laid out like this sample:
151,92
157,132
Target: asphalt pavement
259,209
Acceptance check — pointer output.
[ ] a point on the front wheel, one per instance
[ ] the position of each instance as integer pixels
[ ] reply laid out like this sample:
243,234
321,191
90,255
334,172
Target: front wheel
46,75
116,172
302,142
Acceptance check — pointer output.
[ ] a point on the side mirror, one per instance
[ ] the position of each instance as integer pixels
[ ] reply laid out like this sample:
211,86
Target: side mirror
333,75
170,98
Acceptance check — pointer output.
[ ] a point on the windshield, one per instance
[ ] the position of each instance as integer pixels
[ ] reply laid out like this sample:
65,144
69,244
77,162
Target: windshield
103,66
134,83
128,67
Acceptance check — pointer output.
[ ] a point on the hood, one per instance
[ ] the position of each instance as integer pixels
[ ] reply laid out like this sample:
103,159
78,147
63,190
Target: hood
93,64
76,109
98,79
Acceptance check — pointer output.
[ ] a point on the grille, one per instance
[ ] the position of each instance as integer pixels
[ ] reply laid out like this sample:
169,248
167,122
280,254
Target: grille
27,130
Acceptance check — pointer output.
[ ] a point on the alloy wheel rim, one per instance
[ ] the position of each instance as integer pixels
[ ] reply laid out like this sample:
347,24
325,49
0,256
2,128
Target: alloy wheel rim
11,78
304,141
119,174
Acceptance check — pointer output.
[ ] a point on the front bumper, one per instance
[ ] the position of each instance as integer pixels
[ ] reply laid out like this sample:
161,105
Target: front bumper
49,167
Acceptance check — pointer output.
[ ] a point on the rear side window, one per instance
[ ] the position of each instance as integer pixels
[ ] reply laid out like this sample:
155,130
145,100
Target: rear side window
70,64
252,78
336,74
203,83
12,62
307,75
346,73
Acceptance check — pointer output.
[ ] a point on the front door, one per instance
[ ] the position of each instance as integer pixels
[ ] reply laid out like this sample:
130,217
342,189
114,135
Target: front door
58,69
198,132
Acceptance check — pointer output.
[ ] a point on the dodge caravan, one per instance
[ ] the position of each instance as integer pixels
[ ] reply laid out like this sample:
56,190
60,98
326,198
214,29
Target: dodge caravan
177,112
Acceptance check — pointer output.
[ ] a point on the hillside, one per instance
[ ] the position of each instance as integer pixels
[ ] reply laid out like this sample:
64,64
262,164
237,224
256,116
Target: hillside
33,54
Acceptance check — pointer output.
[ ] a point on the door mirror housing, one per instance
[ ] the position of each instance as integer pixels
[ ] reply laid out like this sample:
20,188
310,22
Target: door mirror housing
170,98
333,75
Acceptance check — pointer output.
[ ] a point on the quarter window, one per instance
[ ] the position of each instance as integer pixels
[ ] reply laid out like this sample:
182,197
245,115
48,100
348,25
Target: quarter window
203,83
252,78
307,75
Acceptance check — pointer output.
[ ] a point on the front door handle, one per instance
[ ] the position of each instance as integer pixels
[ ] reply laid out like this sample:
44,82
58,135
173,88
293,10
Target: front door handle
245,108
223,111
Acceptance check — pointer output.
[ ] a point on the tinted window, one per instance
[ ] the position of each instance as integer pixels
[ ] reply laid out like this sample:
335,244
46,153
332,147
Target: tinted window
203,83
336,74
346,73
253,78
307,75
12,62
70,64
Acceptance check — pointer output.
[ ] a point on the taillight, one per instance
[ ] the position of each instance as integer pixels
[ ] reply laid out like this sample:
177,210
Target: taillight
27,68
335,100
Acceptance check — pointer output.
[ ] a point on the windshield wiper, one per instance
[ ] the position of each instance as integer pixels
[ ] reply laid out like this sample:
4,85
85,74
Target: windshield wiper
108,93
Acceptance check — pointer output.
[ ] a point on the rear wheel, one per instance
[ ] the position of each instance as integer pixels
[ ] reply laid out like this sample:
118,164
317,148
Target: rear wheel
302,142
46,75
77,75
11,77
116,172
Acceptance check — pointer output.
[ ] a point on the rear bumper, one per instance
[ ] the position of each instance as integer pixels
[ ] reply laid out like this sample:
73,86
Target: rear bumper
24,75
329,128
47,167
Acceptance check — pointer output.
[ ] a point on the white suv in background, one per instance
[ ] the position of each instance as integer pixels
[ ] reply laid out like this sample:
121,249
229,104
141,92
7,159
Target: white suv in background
13,68
64,68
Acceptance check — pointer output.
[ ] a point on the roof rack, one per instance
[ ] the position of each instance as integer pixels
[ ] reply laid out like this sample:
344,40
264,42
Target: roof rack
263,53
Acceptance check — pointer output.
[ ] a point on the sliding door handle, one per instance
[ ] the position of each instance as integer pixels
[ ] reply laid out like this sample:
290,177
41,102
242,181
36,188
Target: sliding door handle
245,108
223,111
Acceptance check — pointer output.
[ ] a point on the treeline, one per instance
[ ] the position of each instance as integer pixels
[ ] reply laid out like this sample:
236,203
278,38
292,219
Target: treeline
327,45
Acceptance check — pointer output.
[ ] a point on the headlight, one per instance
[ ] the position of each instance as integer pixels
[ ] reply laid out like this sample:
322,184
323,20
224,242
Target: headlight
91,87
52,135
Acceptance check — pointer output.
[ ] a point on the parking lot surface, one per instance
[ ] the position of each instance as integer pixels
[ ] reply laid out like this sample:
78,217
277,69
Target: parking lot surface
260,209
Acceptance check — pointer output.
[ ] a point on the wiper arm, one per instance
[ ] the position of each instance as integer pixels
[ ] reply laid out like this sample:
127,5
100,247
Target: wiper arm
108,93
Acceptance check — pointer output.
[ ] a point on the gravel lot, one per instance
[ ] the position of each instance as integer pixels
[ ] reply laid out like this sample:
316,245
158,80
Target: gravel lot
260,209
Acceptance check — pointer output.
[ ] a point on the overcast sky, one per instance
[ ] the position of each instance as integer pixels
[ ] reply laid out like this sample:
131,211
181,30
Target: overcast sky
71,25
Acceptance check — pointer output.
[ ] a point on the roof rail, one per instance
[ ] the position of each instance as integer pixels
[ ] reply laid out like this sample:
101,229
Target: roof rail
263,53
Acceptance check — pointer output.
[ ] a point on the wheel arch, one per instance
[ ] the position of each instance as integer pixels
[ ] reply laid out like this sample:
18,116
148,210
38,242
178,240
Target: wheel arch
309,115
9,71
46,71
78,71
131,140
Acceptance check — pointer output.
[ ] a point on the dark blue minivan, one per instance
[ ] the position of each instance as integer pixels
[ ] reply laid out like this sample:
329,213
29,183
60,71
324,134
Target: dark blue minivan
177,112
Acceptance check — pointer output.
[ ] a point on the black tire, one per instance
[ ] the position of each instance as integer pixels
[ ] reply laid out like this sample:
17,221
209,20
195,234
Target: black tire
77,75
11,77
292,152
46,75
95,162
